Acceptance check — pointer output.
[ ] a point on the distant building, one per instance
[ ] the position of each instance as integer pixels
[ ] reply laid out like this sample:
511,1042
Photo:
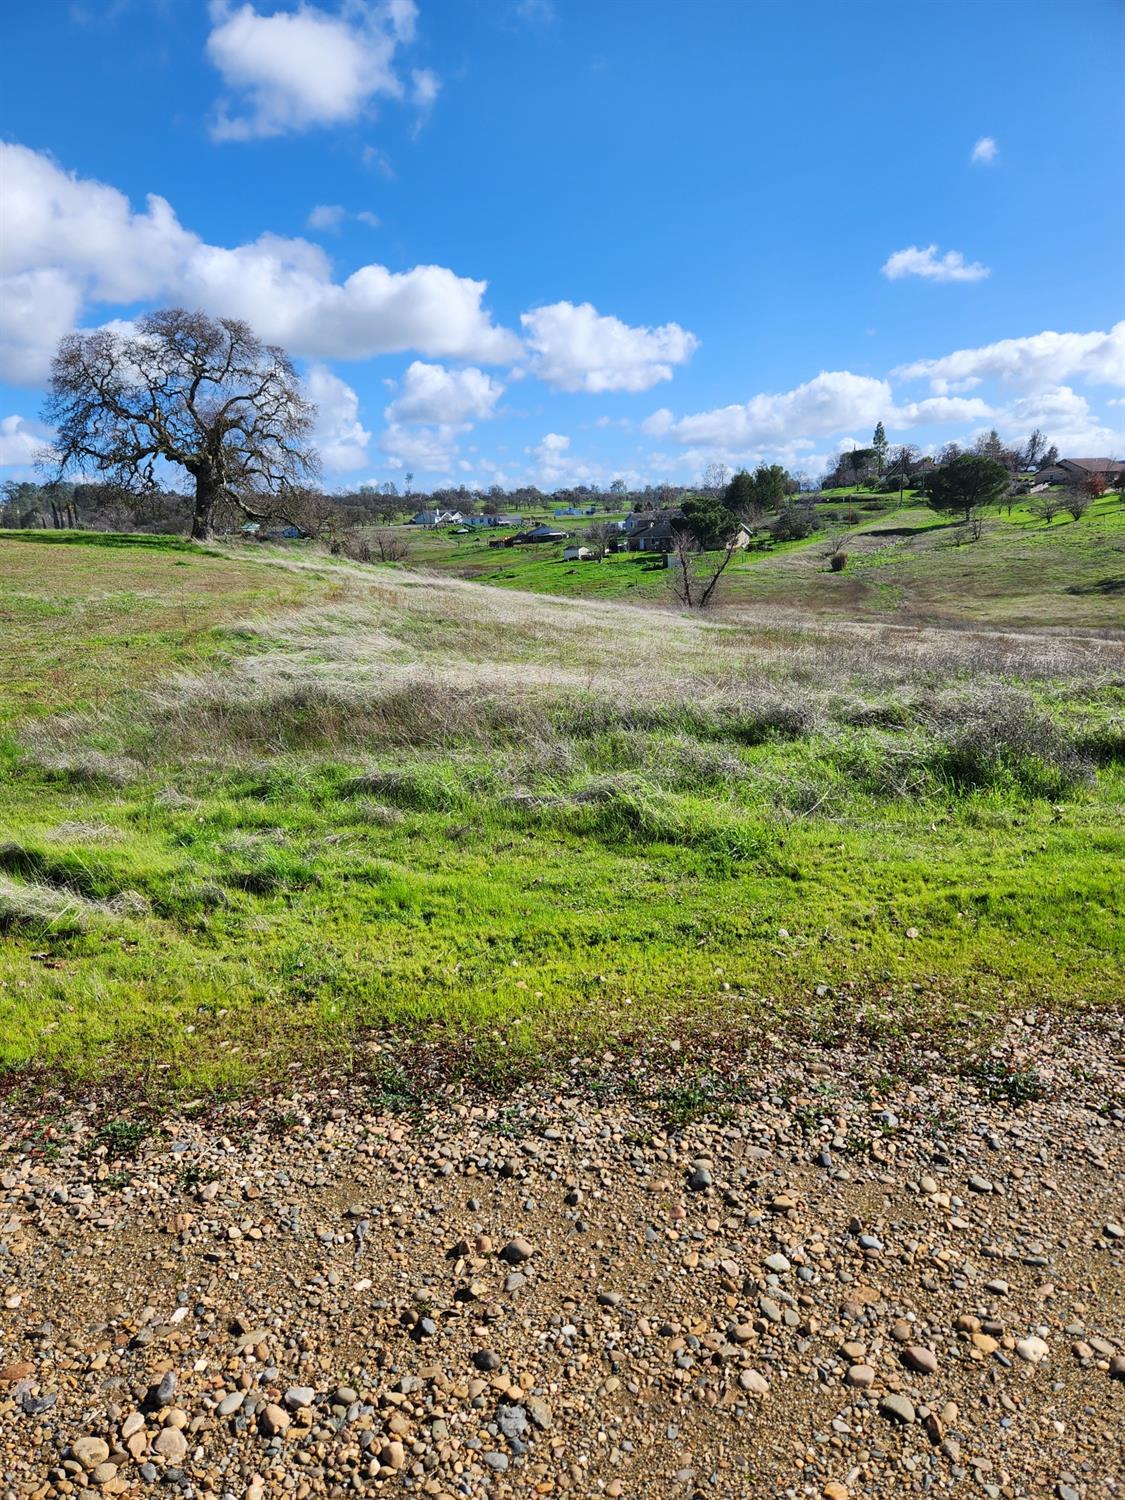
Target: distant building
487,521
1107,471
542,533
437,518
577,554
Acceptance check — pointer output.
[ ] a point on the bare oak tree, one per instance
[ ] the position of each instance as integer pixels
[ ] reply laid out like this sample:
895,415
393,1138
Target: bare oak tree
695,587
198,393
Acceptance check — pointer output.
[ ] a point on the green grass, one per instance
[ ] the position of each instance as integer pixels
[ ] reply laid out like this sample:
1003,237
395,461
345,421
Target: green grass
906,564
318,800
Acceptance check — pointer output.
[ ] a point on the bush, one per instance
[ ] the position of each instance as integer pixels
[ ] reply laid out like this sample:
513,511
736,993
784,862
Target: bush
1004,740
794,522
838,562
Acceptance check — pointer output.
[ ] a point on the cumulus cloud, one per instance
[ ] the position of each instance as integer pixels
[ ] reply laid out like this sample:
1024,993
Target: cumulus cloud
21,441
1065,415
984,151
917,260
941,409
70,242
422,450
433,394
829,403
293,70
575,348
553,464
339,436
1041,359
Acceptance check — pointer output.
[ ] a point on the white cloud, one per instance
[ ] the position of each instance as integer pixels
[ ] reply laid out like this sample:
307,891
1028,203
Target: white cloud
70,242
293,70
1065,416
422,450
576,349
985,150
339,436
36,309
425,87
940,409
1041,359
326,216
21,441
927,263
831,402
433,394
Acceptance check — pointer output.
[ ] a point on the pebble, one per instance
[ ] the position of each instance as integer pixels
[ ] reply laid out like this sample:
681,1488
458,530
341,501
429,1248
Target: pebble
897,1408
1032,1349
638,1328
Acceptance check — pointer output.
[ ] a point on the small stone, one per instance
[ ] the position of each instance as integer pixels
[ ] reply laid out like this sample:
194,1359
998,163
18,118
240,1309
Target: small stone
104,1473
1114,1231
299,1395
980,1184
897,1408
517,1250
699,1179
163,1393
751,1380
273,1420
171,1444
393,1454
90,1452
486,1360
512,1421
497,1461
540,1412
916,1358
860,1376
1032,1349
777,1263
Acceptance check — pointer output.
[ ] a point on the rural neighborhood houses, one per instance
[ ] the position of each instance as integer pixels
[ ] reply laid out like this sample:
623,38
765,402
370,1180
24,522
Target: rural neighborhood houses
1107,471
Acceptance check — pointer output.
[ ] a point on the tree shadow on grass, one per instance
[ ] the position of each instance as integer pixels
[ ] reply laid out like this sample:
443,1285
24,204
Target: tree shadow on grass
1102,586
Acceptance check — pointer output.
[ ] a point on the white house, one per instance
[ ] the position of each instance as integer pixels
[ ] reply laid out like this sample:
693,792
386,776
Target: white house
437,518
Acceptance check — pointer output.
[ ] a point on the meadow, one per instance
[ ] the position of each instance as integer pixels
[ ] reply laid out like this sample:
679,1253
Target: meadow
260,806
905,563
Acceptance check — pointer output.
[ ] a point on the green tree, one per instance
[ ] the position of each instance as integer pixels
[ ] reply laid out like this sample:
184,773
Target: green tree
966,483
771,484
879,449
708,521
741,494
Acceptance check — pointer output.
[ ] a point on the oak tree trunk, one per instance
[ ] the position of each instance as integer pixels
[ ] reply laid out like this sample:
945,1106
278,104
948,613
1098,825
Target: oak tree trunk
203,516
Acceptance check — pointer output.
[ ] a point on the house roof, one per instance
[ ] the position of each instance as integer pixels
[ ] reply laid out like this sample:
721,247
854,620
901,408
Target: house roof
1094,465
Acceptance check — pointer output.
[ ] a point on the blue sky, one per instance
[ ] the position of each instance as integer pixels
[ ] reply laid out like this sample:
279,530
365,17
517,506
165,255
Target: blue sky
560,241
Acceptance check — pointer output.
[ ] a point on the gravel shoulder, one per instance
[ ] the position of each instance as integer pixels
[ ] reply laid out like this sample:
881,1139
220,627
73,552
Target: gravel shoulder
843,1284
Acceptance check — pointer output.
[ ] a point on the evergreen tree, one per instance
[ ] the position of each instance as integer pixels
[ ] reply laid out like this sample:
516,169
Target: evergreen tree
741,494
879,448
966,483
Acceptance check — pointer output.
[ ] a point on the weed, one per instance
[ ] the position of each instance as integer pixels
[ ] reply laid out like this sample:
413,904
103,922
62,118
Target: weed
123,1137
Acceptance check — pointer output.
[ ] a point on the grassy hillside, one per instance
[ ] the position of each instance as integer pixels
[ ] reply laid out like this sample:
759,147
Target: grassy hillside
905,564
259,804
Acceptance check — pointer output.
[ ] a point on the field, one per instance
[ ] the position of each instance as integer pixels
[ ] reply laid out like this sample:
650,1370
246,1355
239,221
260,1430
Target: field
905,564
264,807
